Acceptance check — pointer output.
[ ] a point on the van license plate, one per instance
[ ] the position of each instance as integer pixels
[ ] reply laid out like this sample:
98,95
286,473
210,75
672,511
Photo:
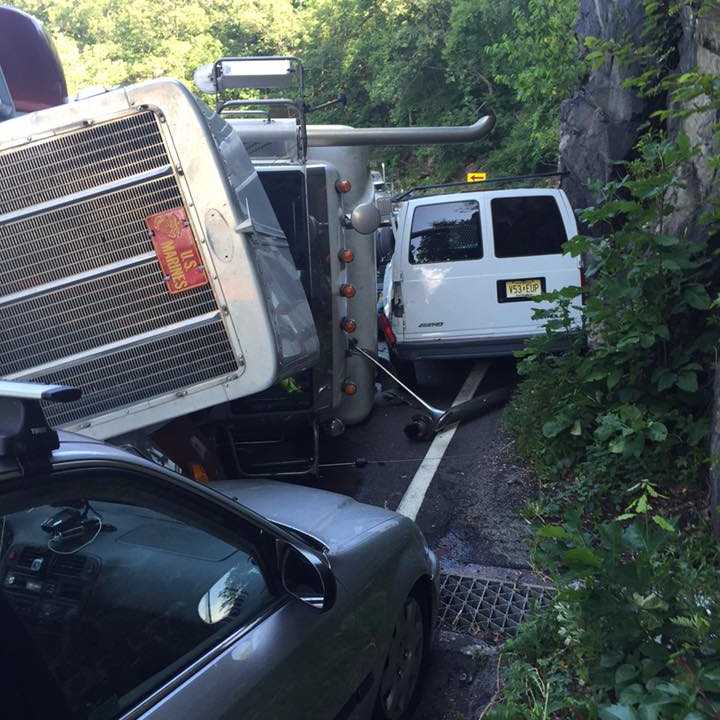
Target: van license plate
523,288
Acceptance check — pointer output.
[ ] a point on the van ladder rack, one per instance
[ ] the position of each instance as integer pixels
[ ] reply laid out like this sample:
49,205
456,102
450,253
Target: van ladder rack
476,185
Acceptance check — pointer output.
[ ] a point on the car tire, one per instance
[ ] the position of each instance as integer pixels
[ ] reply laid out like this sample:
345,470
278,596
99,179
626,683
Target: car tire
399,687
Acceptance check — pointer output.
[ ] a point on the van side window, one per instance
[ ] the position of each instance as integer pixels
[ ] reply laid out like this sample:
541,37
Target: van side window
445,232
525,226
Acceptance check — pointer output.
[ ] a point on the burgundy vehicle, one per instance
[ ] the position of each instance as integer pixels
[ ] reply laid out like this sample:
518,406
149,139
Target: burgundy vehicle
29,62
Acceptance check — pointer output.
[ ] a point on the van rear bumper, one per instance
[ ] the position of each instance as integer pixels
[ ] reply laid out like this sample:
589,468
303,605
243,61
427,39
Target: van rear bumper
462,349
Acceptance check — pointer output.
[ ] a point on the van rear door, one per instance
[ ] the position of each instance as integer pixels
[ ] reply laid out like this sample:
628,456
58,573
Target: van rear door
528,229
473,263
444,253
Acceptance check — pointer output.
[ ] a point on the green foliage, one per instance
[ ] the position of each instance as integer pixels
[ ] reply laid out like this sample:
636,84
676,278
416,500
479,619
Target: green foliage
632,633
430,62
617,428
635,403
414,62
103,42
538,63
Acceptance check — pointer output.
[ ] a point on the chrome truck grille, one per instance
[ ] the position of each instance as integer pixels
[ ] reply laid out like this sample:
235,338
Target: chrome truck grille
83,298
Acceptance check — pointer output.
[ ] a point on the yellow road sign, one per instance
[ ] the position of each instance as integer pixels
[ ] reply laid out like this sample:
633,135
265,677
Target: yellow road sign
473,177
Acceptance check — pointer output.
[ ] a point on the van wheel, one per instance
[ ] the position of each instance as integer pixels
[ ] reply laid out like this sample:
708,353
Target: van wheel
399,684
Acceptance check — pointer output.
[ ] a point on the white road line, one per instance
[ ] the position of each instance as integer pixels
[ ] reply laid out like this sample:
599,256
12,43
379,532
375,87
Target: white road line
415,494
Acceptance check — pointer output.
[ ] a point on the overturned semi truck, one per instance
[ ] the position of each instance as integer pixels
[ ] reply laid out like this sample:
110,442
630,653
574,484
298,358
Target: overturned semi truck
199,274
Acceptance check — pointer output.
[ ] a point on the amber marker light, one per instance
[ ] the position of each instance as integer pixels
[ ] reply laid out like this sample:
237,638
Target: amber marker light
348,325
346,255
347,290
343,186
349,387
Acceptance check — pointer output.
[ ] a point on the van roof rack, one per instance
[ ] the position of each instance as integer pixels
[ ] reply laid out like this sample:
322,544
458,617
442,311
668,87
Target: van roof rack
24,430
475,185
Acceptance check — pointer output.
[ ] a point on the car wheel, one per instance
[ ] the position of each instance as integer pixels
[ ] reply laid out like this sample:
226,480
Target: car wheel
399,682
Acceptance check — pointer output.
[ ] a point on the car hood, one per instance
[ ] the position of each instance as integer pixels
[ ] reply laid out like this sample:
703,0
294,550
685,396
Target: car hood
330,518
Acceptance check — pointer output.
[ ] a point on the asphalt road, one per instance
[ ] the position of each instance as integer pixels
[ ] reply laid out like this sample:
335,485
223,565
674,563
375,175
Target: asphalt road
470,515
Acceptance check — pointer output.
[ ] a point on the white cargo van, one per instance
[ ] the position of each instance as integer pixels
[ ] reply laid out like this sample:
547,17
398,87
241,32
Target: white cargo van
467,267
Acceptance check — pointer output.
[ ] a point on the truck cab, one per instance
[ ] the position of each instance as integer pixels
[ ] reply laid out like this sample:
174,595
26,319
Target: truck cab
467,268
143,259
330,205
204,273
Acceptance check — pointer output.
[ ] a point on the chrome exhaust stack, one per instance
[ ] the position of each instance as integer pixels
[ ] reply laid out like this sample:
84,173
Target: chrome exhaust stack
344,136
433,420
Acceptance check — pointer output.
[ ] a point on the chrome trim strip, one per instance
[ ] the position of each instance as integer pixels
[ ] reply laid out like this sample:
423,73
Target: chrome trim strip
76,279
249,179
139,178
109,348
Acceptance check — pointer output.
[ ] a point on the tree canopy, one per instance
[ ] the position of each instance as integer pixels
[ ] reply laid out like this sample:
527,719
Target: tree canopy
405,62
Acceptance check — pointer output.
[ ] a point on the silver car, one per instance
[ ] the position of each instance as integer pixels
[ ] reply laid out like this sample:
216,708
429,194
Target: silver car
128,591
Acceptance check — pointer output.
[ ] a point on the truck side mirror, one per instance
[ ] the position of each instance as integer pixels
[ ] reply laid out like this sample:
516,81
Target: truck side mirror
365,219
384,244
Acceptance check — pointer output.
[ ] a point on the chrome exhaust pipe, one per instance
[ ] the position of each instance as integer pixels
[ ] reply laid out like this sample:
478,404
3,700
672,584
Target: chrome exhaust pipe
371,357
433,420
341,136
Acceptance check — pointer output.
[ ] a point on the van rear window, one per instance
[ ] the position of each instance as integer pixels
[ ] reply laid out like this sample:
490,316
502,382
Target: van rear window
446,232
524,226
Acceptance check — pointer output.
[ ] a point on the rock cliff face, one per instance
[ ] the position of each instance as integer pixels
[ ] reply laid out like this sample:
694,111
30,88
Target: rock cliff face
699,48
599,124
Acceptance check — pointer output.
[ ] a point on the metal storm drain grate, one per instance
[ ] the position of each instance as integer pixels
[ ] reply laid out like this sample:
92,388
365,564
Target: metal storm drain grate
488,608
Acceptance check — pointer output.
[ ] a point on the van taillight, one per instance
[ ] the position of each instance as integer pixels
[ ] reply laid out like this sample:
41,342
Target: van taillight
386,329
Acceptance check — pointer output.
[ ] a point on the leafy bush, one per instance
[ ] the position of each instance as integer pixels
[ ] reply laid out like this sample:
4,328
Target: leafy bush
635,401
633,634
617,429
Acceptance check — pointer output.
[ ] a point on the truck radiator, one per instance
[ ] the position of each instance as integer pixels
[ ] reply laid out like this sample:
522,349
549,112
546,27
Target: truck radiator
83,299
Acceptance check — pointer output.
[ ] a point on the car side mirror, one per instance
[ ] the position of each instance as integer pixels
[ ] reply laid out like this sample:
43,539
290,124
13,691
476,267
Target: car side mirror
307,577
365,219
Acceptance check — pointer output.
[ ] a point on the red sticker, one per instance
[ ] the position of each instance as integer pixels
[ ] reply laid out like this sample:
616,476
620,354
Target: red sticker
176,250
